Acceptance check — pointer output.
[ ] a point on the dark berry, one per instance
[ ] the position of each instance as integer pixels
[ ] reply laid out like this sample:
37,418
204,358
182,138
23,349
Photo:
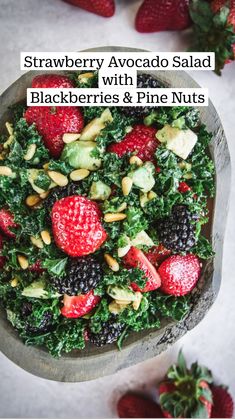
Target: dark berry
82,275
26,309
178,231
109,333
35,326
144,81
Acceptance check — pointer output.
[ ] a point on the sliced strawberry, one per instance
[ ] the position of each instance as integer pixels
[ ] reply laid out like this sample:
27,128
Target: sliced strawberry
79,305
141,140
135,258
157,254
179,274
53,81
136,406
223,405
2,258
184,187
105,8
76,225
7,223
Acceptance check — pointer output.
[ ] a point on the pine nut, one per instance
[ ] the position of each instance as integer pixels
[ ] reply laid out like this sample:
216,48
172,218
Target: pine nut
8,142
137,301
37,242
122,207
58,178
30,152
32,200
70,138
126,185
46,166
151,195
110,218
84,76
79,174
5,171
14,282
111,262
23,261
136,160
45,235
9,128
44,195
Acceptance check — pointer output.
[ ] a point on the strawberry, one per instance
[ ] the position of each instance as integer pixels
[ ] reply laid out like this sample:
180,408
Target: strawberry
105,8
45,81
7,223
76,225
179,274
135,258
141,141
214,29
157,254
2,258
79,305
162,15
184,187
223,405
186,392
136,406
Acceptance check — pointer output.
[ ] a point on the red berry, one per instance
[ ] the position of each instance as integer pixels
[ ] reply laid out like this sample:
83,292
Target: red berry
135,258
45,81
141,140
36,267
76,225
179,274
2,258
157,254
223,405
184,187
7,223
105,8
136,406
79,305
162,15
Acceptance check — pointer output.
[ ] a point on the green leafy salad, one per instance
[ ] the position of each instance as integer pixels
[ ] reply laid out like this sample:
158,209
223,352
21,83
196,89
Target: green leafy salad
101,211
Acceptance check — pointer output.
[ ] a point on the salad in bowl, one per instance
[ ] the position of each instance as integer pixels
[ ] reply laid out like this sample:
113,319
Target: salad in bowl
101,217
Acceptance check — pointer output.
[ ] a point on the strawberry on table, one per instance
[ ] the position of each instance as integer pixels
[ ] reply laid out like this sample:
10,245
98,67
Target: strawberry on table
137,406
7,223
78,306
162,15
179,274
157,254
135,258
223,405
76,225
141,141
105,8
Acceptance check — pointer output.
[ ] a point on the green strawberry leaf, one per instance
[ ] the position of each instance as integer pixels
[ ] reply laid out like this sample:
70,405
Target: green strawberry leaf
207,394
200,411
201,14
220,19
181,363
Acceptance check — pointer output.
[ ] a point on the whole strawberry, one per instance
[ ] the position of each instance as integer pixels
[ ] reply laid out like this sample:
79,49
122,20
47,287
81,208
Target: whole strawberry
186,393
141,140
162,15
179,274
76,225
53,122
136,406
7,223
214,29
79,305
223,405
105,8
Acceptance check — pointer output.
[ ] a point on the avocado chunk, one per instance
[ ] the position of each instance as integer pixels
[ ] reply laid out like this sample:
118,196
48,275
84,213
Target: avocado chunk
39,180
100,191
37,290
143,177
78,155
92,130
121,293
142,239
181,142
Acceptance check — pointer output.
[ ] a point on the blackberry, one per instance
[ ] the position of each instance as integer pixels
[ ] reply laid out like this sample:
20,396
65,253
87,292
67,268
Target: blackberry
144,81
26,309
177,232
82,275
109,333
35,326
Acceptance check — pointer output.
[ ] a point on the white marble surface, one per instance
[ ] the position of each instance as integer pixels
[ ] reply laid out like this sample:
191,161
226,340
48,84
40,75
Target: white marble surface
43,25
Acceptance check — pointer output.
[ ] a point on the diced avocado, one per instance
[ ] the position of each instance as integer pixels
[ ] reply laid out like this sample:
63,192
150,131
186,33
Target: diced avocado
143,177
39,180
181,142
100,191
142,238
92,130
78,155
121,293
37,290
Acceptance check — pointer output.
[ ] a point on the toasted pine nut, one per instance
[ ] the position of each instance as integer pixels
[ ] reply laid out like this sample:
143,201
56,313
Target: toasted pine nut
44,195
113,264
32,200
45,235
151,195
79,174
14,282
58,178
84,76
30,152
110,218
9,128
46,166
23,261
122,207
136,160
70,138
5,171
36,242
137,301
8,142
126,185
